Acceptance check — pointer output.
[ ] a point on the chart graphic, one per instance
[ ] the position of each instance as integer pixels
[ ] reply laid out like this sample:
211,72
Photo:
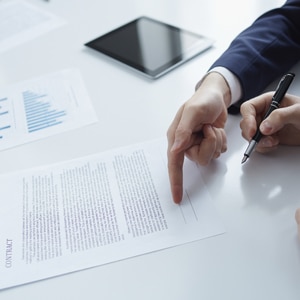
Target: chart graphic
43,106
39,112
5,122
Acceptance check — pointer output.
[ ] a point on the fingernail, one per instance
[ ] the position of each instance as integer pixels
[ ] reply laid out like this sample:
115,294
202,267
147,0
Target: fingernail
266,142
265,126
175,145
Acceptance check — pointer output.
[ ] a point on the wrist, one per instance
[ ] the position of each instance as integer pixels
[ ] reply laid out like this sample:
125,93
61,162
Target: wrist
216,81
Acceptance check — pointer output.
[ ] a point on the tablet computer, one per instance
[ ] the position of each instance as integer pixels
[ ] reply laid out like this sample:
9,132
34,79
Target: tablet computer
149,46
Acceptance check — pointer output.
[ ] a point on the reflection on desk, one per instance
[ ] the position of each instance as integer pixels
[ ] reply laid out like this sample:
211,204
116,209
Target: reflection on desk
258,256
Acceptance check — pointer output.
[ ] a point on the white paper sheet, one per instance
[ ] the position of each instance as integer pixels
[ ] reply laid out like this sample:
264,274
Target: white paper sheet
95,210
43,106
21,22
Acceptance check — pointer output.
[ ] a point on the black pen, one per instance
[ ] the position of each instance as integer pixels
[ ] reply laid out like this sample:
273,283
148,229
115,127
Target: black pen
281,90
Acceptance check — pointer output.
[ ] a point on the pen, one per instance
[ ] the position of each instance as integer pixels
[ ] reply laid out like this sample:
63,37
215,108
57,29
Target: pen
280,91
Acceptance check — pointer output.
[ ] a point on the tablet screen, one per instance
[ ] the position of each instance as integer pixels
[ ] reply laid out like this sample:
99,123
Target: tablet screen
150,46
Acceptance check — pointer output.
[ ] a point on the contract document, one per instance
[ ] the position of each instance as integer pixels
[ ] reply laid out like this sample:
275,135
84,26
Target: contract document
43,106
95,210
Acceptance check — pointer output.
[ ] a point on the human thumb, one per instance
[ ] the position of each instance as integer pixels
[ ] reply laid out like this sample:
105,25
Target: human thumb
266,127
272,123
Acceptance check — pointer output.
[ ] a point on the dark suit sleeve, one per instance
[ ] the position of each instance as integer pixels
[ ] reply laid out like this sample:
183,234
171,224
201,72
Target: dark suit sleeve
265,50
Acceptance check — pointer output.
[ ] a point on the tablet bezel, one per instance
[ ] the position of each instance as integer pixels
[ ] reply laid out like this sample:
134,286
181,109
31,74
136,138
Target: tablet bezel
204,43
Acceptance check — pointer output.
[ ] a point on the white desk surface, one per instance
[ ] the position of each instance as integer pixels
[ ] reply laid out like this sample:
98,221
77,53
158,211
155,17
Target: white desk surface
259,255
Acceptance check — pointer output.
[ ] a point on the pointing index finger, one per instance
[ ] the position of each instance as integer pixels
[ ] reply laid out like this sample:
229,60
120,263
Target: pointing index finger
175,165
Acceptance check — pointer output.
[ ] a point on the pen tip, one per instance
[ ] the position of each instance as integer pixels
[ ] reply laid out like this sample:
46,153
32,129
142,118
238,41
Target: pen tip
244,159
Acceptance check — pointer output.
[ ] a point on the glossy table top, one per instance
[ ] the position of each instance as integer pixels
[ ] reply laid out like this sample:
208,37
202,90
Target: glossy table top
259,255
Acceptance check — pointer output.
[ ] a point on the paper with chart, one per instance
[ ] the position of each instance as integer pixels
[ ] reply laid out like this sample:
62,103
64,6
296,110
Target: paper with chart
43,106
95,210
21,22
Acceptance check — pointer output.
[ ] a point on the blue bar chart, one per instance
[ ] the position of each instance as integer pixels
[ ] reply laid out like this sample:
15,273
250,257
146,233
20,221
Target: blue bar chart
4,116
37,108
39,111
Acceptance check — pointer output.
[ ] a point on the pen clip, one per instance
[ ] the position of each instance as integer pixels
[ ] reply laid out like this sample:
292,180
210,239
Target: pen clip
282,86
278,86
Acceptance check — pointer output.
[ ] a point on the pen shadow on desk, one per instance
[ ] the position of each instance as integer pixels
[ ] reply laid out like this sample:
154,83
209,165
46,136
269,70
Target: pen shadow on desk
271,180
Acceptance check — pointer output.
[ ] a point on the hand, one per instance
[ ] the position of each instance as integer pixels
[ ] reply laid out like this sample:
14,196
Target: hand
197,130
282,126
297,217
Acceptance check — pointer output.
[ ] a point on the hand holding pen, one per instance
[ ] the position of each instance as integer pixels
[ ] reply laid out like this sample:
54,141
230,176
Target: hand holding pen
276,99
285,131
